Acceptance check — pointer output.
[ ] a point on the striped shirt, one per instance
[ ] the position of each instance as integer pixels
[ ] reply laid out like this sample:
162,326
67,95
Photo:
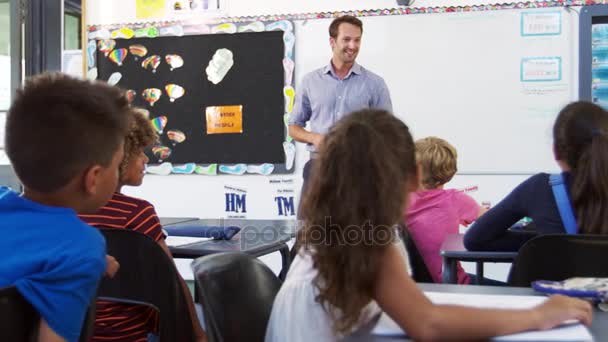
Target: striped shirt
126,322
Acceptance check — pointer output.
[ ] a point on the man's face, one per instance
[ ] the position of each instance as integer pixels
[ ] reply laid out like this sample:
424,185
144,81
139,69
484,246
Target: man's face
346,45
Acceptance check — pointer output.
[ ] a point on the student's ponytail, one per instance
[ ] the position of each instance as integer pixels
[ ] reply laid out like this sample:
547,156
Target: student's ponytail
589,189
581,140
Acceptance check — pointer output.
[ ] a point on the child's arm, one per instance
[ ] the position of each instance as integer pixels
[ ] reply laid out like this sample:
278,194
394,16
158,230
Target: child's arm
112,266
198,330
46,334
398,296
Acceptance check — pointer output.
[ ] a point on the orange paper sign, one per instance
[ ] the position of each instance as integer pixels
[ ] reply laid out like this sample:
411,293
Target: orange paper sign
224,119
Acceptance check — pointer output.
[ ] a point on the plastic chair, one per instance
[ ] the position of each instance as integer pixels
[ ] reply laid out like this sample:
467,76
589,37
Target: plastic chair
558,257
420,273
237,292
19,319
147,275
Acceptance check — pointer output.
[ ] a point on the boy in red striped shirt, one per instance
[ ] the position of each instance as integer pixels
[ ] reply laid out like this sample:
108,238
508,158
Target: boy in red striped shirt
127,322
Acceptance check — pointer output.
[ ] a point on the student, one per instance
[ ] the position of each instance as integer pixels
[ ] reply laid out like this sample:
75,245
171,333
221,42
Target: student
125,322
433,211
348,270
64,138
580,145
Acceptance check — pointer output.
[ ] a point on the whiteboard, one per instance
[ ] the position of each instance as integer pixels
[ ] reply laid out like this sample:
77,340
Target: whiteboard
459,76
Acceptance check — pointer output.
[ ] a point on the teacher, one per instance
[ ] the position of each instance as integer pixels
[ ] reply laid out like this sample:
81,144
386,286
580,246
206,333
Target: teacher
329,93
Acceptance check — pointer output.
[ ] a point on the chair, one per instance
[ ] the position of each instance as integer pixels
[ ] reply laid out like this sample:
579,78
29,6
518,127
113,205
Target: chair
19,319
147,275
558,257
420,273
23,320
237,292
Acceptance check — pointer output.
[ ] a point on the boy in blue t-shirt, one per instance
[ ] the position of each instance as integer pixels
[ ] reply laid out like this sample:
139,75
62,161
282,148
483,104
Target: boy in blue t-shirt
64,138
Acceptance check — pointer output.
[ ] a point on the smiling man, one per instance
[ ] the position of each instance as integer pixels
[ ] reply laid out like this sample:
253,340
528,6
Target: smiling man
335,90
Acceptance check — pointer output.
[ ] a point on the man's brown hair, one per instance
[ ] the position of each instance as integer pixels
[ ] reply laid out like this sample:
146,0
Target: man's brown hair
438,159
349,19
58,126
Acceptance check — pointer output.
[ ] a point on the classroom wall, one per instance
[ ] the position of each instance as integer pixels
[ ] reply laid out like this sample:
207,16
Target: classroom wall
121,11
204,196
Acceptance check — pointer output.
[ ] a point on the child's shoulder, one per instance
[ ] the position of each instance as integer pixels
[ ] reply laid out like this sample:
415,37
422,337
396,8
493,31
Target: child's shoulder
129,201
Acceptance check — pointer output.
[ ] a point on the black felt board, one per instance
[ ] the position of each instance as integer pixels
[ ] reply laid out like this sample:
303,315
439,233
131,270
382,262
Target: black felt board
255,81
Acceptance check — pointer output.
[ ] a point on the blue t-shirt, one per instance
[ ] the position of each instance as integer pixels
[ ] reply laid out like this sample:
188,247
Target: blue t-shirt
53,258
534,199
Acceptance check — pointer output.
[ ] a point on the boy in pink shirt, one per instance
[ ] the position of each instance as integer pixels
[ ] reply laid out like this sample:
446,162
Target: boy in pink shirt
433,211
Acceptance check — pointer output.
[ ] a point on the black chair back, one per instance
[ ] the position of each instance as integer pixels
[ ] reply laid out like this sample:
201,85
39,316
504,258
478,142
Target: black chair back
420,272
148,275
558,257
19,319
237,292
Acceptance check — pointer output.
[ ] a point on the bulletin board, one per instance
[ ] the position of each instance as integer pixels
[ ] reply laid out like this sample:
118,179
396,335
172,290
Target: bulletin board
218,100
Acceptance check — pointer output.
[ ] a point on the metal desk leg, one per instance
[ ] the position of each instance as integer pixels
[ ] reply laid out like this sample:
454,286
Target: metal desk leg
448,273
479,271
286,259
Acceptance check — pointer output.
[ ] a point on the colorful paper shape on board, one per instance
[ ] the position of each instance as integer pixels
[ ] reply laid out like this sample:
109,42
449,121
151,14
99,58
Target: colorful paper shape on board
159,123
100,34
118,55
262,169
131,94
92,74
91,49
138,51
288,66
161,152
290,154
219,65
224,28
163,169
174,61
124,33
289,39
185,169
114,78
151,95
224,119
237,169
256,26
151,63
290,95
174,91
209,170
176,136
283,25
150,32
106,45
145,9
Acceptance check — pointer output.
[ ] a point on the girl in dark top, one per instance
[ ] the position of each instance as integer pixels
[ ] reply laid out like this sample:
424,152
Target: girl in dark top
580,146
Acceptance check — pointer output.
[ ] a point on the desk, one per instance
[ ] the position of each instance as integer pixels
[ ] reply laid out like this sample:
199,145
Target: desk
452,251
256,238
169,221
599,327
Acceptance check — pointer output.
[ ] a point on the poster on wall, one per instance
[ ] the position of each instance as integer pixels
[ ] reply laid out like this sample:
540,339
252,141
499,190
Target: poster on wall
599,64
196,7
146,9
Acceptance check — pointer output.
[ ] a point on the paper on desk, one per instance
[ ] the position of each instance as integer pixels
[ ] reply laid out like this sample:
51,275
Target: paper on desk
571,332
175,241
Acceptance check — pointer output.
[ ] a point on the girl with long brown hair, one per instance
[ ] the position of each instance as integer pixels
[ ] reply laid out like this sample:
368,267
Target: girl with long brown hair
580,143
351,266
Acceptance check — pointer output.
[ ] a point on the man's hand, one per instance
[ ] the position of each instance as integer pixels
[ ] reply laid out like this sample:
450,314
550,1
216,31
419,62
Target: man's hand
317,140
112,266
